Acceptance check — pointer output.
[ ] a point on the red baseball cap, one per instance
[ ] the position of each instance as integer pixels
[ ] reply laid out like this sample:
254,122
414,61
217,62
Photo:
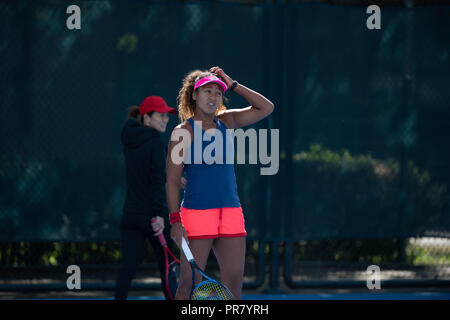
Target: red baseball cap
155,103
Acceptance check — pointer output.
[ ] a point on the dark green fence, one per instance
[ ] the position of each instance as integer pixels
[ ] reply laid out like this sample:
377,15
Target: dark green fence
363,118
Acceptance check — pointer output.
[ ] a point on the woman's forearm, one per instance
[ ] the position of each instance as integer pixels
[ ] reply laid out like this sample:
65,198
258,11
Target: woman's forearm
255,99
173,196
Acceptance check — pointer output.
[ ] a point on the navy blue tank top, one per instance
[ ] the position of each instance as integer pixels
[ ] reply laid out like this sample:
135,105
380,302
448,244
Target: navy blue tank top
209,169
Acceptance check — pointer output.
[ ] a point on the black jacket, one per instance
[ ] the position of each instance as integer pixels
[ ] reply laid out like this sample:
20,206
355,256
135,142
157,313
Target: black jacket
145,161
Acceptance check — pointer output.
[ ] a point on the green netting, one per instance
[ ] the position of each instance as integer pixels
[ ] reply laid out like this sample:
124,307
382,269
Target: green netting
363,115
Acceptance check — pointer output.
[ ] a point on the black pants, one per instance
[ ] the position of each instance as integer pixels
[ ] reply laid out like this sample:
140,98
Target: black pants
134,231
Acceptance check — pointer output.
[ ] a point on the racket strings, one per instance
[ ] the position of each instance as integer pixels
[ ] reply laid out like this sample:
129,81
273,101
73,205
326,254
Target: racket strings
210,290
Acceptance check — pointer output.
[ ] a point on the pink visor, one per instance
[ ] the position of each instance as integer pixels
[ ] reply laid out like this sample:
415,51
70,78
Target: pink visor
209,79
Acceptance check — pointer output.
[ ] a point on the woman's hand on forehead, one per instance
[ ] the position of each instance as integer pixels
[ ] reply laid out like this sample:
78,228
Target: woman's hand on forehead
220,73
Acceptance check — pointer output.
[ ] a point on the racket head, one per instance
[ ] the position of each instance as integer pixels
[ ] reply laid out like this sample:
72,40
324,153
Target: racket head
172,276
211,290
172,269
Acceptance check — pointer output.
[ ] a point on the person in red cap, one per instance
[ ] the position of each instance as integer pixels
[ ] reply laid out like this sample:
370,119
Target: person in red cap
145,157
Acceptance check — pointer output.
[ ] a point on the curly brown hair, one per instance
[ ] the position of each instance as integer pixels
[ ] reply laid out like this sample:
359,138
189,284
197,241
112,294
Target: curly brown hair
186,105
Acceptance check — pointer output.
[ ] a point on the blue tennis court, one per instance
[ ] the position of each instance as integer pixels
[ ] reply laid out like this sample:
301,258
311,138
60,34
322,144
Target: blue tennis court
304,296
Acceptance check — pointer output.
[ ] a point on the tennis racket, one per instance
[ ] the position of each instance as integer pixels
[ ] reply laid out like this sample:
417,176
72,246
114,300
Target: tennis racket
172,268
208,289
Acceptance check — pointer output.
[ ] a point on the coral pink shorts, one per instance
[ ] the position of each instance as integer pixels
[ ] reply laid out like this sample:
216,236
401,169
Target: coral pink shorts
213,223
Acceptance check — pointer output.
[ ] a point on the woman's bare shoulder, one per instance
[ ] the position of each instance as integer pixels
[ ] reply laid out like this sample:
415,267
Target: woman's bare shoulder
181,128
227,119
184,125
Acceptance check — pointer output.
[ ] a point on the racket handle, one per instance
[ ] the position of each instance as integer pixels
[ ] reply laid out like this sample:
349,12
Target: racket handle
186,250
161,237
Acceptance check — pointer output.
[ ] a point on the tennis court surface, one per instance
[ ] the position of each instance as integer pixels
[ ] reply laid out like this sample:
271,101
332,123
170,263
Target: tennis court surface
392,294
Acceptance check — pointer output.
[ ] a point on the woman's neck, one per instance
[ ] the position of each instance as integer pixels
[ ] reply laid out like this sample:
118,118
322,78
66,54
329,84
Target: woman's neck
205,119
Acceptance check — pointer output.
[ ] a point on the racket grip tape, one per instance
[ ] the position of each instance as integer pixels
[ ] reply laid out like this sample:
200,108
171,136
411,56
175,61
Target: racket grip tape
186,250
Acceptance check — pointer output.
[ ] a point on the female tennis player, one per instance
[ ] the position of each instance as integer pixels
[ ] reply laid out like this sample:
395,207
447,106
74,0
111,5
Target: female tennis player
145,156
210,215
